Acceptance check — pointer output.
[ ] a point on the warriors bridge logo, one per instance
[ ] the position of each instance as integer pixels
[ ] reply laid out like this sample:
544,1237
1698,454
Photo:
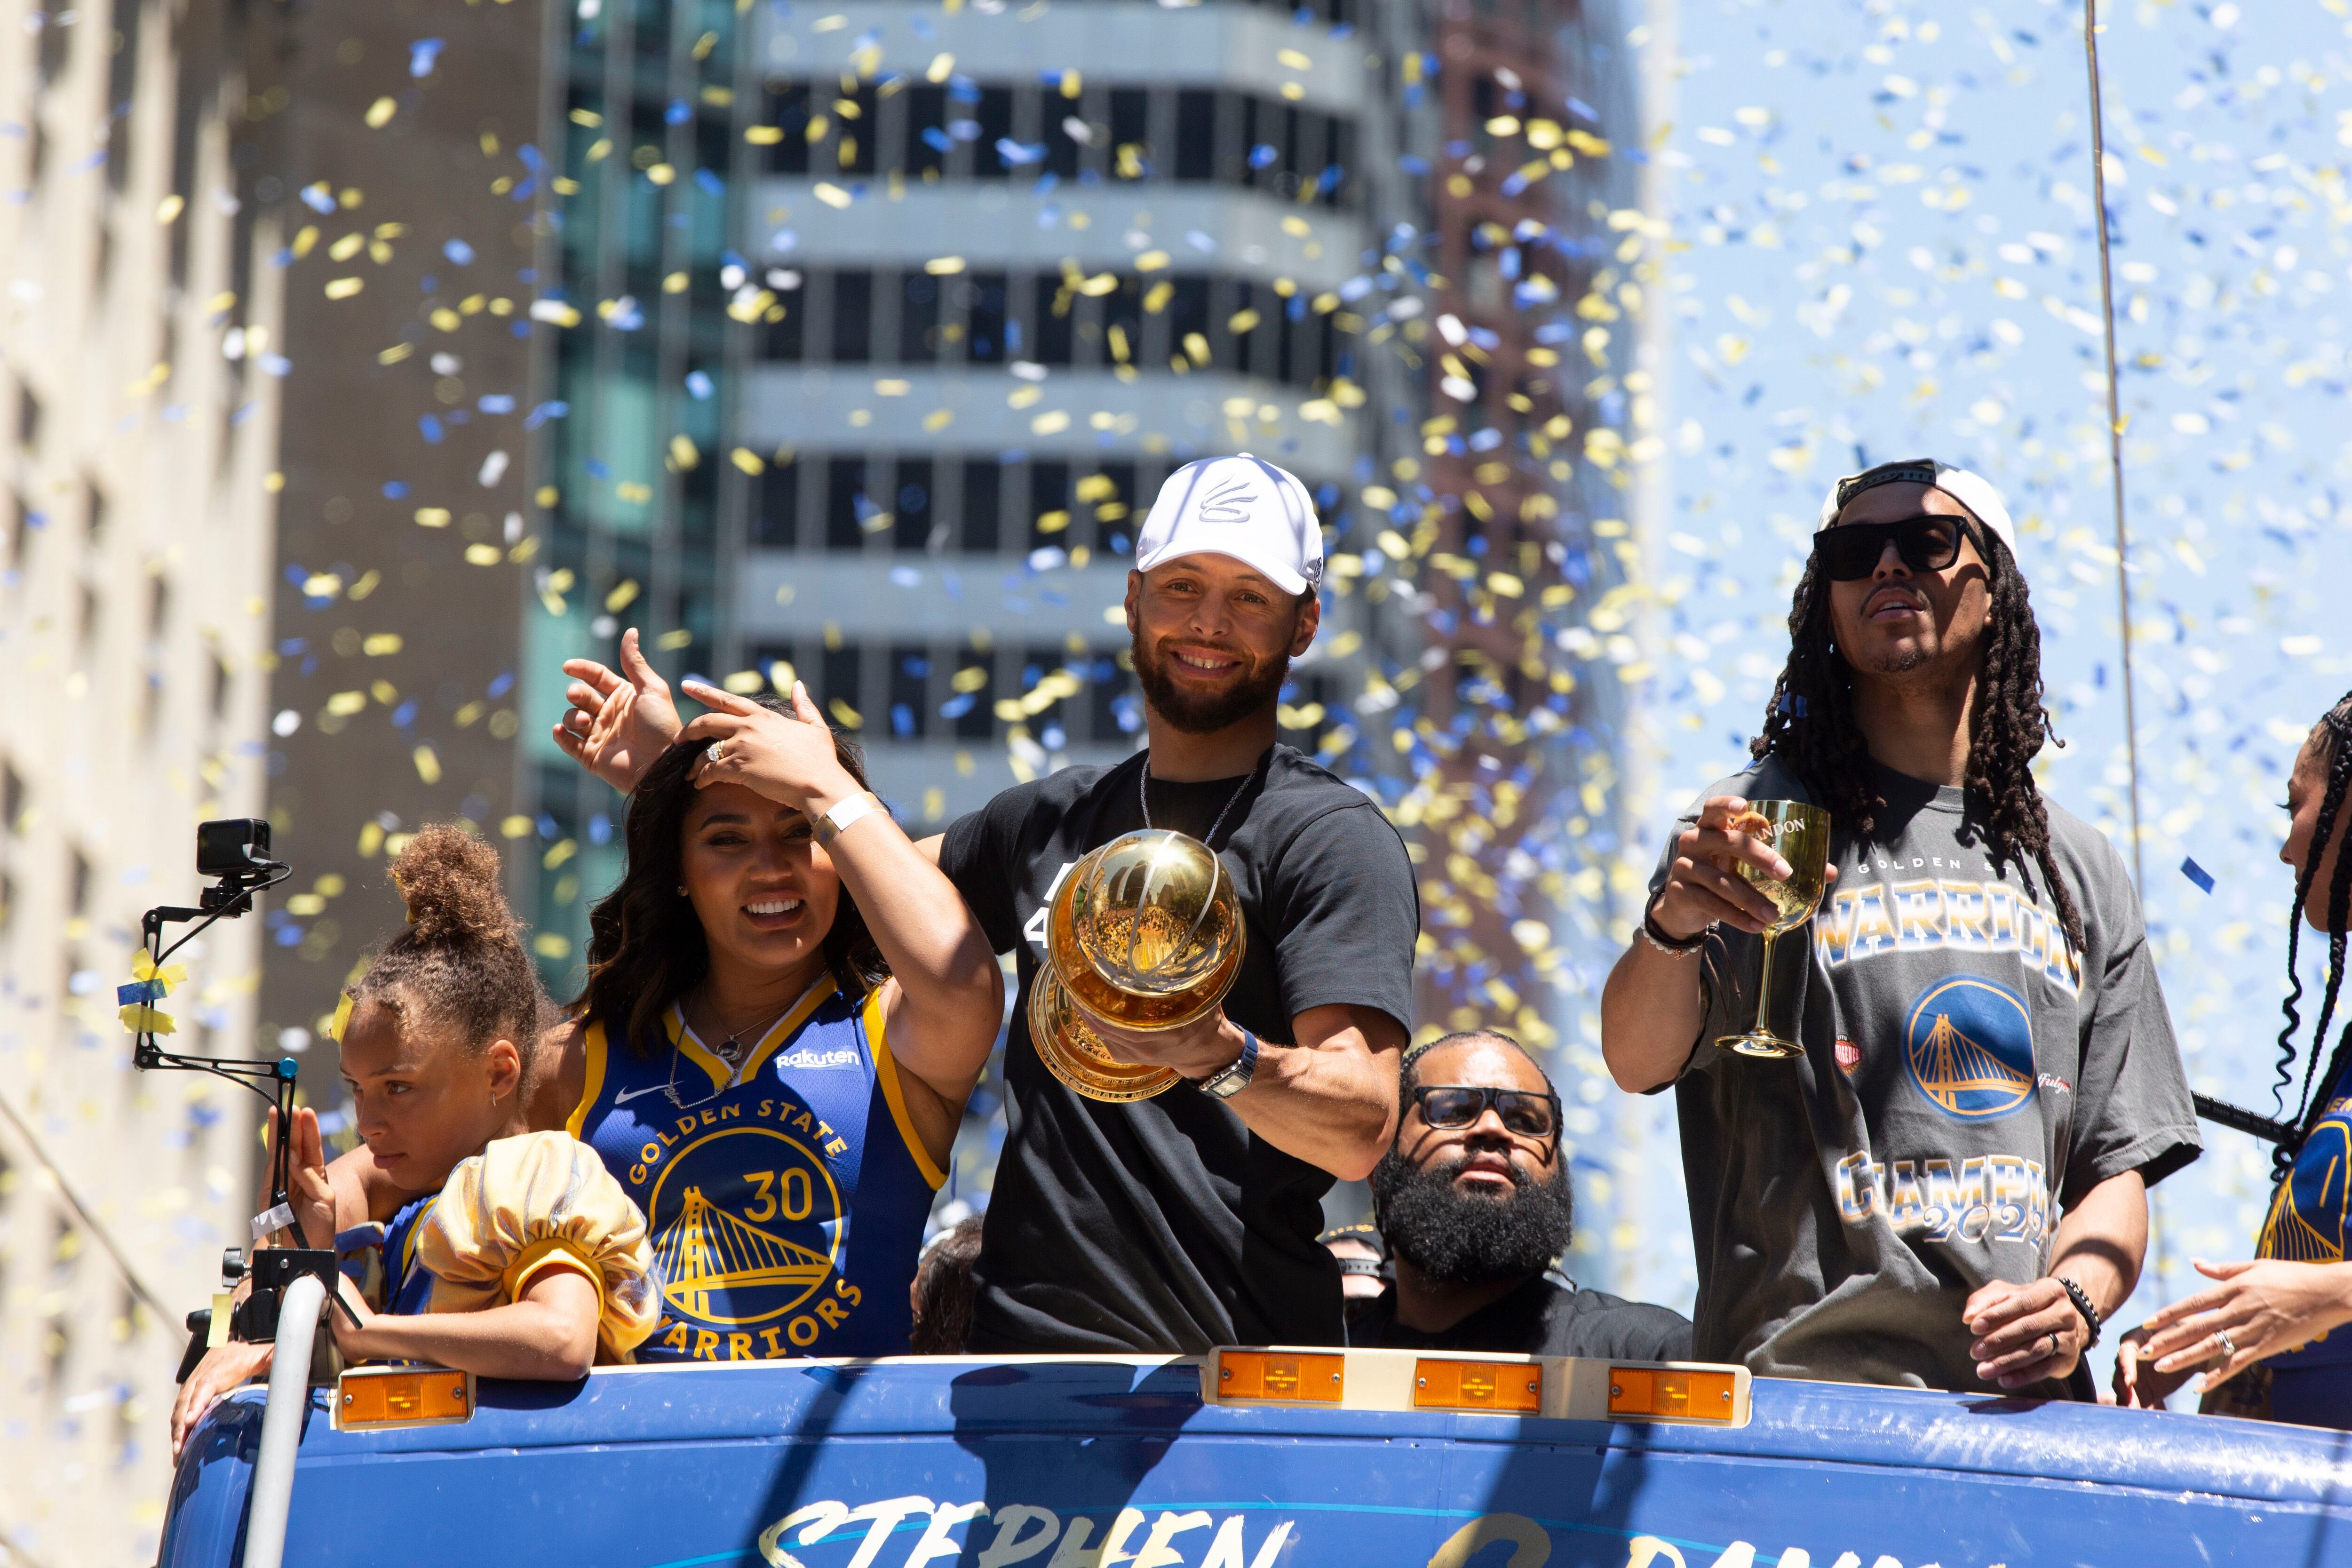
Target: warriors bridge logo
1970,1046
747,1225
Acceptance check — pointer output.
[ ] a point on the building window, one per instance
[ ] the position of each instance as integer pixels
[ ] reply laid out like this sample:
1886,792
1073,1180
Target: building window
788,111
995,120
919,318
1154,322
983,494
987,335
837,691
847,504
853,310
927,142
777,523
914,509
910,674
965,132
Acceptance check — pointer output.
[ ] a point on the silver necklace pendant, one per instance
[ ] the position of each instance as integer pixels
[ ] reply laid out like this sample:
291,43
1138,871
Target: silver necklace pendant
1143,799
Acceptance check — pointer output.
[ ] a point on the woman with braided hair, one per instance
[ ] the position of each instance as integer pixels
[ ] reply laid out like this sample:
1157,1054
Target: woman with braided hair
1945,1186
2265,1336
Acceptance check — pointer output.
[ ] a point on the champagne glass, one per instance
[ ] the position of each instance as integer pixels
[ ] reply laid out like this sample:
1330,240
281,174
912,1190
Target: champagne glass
1801,835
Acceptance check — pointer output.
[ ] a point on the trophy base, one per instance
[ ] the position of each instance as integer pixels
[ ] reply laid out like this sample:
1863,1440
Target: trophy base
1073,1054
1760,1042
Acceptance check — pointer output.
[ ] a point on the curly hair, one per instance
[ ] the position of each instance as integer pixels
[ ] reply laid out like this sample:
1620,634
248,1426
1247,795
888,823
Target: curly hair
944,1290
2333,734
1810,725
646,949
460,960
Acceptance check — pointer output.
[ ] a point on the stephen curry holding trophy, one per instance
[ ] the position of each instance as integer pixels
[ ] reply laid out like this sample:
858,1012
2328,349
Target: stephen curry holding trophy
1215,1036
1188,1219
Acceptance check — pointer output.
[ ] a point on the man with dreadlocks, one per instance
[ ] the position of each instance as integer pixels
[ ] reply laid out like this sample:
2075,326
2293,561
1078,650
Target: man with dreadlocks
1947,1188
2268,1336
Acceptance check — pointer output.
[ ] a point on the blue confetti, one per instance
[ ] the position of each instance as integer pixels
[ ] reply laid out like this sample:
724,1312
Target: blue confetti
422,54
458,252
2198,875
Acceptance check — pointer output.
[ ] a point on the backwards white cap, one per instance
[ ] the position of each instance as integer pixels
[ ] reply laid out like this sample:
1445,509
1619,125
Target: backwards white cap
1971,491
1242,507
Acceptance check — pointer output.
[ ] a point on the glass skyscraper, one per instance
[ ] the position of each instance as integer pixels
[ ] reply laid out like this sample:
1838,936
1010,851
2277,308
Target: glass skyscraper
881,328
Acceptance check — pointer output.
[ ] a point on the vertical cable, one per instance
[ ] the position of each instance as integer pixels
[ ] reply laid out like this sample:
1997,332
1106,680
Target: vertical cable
2114,422
2116,466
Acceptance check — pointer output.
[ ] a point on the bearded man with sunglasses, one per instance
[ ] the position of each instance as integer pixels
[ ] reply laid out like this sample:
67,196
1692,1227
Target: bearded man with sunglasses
1474,1204
1947,1187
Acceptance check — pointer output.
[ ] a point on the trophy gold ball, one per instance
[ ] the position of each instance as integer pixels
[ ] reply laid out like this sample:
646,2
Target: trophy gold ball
1145,932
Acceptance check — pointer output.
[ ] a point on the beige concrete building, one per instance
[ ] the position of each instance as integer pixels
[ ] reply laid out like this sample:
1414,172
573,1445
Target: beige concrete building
141,420
265,277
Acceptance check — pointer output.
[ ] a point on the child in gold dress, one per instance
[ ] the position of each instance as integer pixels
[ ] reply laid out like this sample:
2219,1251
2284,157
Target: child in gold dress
508,1253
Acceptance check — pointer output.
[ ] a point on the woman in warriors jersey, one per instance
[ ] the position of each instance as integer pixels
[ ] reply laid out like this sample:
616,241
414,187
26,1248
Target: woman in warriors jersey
2271,1336
786,1006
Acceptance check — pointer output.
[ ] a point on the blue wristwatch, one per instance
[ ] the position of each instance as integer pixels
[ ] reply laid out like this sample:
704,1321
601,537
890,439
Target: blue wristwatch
1231,1080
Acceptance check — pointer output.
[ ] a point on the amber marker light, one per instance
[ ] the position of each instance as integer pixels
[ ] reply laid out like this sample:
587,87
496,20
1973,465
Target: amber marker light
370,1399
1510,1386
1675,1395
1280,1377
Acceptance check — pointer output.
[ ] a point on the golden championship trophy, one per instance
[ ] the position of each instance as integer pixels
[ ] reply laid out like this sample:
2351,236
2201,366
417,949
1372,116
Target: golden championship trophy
1147,933
1801,834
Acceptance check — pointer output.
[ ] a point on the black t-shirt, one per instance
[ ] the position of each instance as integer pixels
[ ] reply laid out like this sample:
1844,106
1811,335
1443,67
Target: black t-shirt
1165,1224
1548,1315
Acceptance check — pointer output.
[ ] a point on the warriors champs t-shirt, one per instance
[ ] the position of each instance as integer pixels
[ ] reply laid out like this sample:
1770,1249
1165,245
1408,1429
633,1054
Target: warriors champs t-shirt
1966,1076
1166,1225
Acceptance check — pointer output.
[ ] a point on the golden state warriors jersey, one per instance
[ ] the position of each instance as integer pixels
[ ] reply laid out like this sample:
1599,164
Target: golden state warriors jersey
2307,1223
407,1284
785,1194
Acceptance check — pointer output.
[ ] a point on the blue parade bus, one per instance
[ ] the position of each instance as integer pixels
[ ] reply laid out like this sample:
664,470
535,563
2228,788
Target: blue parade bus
1245,1458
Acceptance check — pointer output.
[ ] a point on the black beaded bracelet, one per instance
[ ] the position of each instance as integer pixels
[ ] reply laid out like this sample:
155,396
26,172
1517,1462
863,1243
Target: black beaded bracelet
1658,938
2082,1300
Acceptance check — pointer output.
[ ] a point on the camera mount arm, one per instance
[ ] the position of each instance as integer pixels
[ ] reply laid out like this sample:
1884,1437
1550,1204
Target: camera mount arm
272,1269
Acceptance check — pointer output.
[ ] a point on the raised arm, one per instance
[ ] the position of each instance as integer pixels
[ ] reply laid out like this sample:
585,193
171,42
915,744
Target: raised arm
354,1193
618,722
1652,1008
946,994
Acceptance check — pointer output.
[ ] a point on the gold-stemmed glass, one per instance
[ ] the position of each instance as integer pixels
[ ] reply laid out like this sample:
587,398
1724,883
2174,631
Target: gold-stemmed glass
1800,834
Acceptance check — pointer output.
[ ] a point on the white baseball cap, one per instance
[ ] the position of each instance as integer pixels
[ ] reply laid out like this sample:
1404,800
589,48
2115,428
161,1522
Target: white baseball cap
1971,491
1242,507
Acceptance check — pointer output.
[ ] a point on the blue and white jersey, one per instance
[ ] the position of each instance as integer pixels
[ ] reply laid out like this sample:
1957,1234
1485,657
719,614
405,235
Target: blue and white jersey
407,1284
785,1194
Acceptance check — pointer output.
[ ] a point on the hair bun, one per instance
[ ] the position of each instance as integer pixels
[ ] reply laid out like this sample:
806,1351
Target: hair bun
450,880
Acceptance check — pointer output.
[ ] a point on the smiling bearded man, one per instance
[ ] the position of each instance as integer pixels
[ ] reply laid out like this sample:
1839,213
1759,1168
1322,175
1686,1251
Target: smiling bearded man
1947,1187
1126,1226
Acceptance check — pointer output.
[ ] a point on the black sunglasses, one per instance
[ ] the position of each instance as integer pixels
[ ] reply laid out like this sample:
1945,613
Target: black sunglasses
1929,542
1524,1112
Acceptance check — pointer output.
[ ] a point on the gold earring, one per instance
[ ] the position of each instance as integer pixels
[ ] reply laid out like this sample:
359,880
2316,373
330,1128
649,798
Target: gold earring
681,891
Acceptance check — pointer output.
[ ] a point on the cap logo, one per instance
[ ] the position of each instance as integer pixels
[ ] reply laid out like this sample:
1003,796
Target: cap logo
1228,502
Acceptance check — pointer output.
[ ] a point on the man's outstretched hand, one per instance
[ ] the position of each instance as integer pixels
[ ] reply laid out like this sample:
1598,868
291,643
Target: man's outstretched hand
618,722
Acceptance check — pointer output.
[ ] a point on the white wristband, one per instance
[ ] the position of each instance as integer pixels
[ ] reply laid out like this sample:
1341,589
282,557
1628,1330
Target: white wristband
844,815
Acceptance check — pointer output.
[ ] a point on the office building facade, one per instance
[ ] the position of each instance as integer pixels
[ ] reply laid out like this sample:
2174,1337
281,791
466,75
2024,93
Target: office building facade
880,402
134,570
